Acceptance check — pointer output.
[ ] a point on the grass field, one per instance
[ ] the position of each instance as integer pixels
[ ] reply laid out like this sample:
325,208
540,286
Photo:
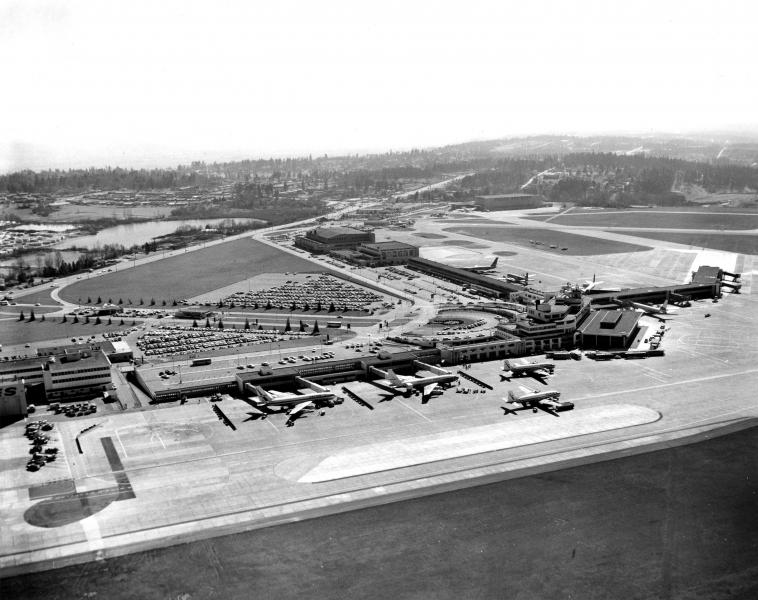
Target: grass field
740,243
658,219
41,296
16,332
674,523
578,245
191,273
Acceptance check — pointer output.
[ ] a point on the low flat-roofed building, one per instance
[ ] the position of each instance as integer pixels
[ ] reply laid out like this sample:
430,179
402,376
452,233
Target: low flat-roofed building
116,351
508,201
609,329
481,283
326,239
380,254
28,369
76,376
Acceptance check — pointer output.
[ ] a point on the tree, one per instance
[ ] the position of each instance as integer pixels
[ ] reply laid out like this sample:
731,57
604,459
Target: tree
302,326
315,329
89,300
293,307
110,321
220,324
99,300
287,326
121,301
98,321
268,305
152,301
110,300
21,316
75,319
129,300
194,322
121,322
306,307
247,323
318,306
32,316
260,327
141,301
163,303
331,307
86,319
42,318
174,303
133,323
64,319
207,322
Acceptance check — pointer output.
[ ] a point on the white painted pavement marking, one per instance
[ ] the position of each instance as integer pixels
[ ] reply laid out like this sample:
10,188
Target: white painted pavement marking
422,449
120,443
414,410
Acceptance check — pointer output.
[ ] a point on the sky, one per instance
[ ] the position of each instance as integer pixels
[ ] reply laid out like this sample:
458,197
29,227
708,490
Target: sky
97,83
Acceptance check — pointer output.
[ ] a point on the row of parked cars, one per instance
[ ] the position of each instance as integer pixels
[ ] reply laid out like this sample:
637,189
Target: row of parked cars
41,455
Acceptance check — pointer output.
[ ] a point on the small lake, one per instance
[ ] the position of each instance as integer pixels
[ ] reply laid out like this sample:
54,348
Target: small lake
126,235
138,233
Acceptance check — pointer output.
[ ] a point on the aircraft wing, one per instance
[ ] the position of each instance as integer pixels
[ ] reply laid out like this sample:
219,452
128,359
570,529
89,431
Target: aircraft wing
299,408
427,392
525,390
546,407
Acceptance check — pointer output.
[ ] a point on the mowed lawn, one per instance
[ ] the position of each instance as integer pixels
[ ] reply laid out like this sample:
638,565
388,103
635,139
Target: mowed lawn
739,243
189,274
658,219
673,523
578,245
14,332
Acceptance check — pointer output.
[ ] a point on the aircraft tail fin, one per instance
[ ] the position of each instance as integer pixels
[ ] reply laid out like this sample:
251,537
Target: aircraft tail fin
494,263
393,378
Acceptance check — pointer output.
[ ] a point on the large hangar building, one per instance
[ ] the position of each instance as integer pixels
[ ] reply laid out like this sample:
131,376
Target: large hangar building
326,239
508,201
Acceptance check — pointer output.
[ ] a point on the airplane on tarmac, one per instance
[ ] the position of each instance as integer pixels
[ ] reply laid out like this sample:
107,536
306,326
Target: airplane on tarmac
294,402
661,309
408,385
481,269
523,367
591,287
546,401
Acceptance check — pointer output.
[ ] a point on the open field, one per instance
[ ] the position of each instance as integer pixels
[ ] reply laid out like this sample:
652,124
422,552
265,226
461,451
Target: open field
673,219
25,307
191,273
740,243
674,523
578,245
14,332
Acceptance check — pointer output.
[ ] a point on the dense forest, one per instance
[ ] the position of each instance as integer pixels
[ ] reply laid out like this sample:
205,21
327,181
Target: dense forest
80,180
